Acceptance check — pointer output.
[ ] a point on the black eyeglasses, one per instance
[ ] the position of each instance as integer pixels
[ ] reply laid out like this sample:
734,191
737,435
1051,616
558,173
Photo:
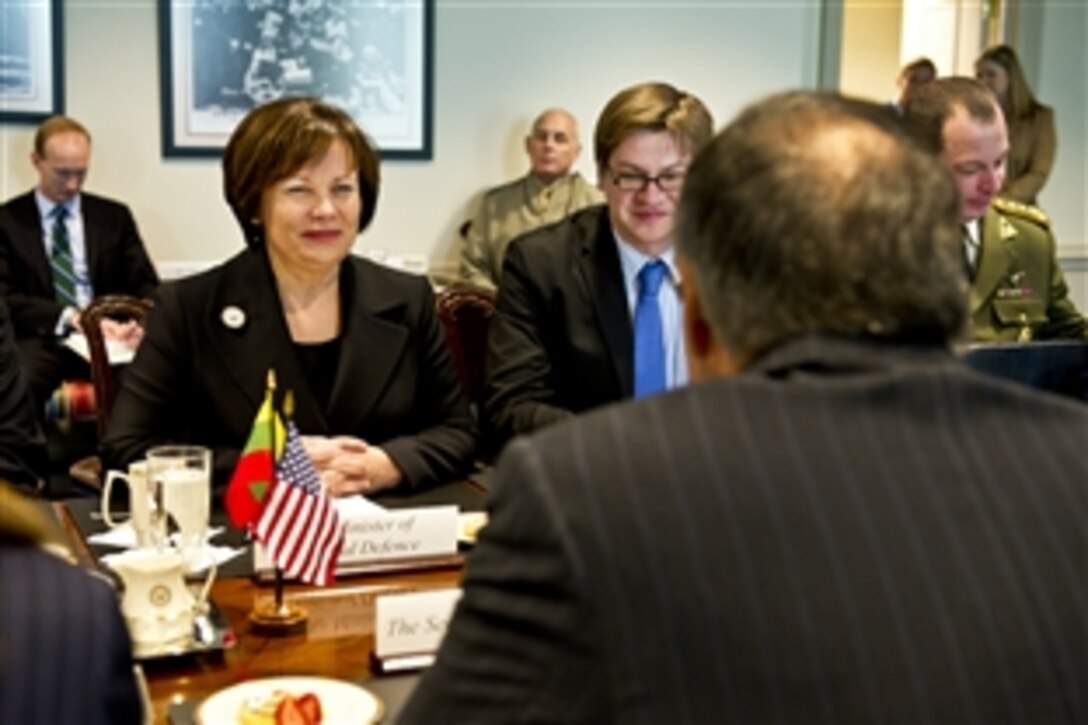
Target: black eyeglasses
670,181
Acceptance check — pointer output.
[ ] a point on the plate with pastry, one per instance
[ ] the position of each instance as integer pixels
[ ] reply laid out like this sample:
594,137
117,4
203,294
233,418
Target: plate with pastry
291,701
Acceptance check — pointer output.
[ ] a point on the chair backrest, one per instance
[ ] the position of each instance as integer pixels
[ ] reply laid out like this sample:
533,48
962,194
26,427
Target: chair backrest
122,307
465,316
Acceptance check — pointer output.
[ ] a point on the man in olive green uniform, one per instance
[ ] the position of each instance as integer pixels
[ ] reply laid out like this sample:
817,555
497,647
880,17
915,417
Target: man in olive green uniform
548,193
1018,292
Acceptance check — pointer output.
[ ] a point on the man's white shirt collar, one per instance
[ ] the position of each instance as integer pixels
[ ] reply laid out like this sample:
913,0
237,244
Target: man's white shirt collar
972,243
46,205
632,261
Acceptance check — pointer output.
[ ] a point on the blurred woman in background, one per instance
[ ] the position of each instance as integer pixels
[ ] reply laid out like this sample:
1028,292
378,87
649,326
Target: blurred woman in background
1032,139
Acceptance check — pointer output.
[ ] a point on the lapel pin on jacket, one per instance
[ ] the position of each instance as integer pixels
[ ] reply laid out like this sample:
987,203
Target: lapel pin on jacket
233,317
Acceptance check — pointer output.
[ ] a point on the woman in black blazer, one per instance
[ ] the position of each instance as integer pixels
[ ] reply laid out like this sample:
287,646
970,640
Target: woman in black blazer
376,393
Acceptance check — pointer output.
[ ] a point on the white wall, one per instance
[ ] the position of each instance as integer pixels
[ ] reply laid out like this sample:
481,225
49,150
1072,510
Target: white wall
1052,49
870,49
948,32
497,63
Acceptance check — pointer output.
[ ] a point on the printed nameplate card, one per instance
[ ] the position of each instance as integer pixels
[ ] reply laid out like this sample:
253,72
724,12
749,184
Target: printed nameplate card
408,628
375,535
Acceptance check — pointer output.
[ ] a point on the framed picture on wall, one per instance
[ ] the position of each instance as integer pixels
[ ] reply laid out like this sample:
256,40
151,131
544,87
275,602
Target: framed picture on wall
221,58
31,60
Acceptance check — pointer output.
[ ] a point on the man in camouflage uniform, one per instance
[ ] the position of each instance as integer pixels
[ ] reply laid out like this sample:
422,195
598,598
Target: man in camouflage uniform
1018,292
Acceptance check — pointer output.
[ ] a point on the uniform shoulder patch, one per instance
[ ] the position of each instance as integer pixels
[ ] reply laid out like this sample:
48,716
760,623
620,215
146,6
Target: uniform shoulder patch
1022,211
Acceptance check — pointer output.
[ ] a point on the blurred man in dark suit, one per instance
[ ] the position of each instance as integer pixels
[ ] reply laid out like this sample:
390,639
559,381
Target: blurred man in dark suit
65,654
22,446
59,249
836,522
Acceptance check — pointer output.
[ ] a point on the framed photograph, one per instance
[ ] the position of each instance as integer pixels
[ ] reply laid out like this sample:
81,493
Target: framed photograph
31,60
221,58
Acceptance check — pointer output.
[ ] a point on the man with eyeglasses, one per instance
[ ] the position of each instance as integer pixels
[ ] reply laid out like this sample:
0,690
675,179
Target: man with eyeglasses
548,193
60,248
588,311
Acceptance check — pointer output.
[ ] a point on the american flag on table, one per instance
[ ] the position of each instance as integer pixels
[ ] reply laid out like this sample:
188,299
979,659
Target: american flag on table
299,525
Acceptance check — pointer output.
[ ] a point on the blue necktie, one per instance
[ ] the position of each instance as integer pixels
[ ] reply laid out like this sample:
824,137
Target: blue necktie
649,338
64,276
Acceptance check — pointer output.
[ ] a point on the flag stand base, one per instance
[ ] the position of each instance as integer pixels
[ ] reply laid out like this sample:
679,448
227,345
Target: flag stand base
274,620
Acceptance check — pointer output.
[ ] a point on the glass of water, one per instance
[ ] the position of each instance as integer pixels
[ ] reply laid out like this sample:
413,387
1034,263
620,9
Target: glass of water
179,477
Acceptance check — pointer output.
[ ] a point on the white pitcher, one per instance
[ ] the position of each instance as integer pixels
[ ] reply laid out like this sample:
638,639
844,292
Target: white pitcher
139,501
157,605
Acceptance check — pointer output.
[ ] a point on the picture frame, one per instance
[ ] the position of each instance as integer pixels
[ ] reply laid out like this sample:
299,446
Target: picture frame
31,61
222,58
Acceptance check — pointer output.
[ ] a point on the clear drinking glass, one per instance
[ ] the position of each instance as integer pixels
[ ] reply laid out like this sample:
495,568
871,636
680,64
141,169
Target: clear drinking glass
180,480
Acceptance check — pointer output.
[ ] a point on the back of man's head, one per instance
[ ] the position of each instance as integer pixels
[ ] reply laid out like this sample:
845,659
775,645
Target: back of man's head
815,214
932,104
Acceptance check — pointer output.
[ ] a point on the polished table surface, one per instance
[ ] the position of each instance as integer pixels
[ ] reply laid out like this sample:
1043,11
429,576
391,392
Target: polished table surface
338,640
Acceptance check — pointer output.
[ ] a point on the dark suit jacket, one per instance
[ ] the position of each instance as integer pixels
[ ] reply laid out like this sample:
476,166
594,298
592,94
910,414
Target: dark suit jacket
65,655
845,533
22,446
561,340
116,260
199,379
117,263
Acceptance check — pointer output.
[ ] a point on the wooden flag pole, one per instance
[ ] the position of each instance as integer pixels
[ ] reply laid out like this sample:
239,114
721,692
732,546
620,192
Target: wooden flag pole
277,618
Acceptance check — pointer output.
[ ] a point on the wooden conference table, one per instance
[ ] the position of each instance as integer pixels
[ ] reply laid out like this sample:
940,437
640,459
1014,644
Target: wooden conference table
338,640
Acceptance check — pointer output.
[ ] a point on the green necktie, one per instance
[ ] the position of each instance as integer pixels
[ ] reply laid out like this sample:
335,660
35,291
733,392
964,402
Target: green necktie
64,277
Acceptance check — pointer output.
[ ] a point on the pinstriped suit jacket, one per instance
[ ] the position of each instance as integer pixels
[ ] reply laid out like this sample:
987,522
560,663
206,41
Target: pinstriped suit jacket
65,655
845,533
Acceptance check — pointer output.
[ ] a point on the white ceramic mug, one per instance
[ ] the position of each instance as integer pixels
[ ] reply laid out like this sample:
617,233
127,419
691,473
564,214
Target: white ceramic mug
139,501
180,481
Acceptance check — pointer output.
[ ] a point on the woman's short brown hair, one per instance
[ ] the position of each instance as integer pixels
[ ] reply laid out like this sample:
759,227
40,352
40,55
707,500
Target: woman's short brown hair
279,138
652,107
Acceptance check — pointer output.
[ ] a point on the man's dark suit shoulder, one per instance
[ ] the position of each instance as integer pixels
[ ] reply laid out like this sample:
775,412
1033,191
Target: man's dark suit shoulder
560,341
552,249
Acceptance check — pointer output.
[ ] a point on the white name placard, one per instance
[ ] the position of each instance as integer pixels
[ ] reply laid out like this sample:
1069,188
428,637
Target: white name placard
400,534
413,623
376,535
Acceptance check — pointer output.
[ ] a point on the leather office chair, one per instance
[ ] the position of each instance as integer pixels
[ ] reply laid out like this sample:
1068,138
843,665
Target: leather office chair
466,315
88,471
